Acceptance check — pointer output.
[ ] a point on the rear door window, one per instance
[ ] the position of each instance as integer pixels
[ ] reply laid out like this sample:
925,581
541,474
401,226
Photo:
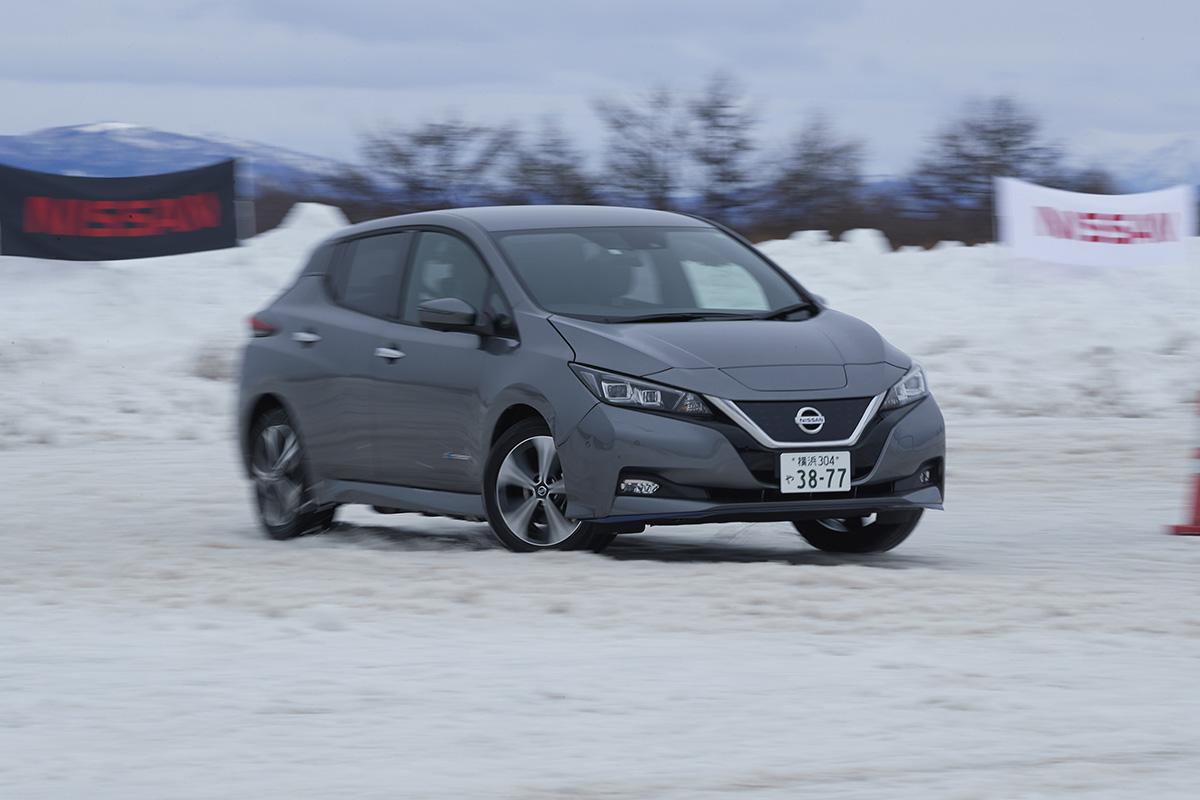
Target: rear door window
368,273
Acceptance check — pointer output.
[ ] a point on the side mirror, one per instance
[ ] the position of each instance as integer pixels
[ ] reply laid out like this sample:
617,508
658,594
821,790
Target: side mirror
452,314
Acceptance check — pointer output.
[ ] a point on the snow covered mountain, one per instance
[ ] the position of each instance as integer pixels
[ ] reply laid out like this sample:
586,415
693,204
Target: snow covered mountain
112,149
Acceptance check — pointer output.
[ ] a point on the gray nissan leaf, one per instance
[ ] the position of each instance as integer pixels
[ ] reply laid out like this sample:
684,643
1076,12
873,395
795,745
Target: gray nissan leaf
571,373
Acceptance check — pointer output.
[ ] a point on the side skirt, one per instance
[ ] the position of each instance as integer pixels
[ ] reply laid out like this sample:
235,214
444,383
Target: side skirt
404,498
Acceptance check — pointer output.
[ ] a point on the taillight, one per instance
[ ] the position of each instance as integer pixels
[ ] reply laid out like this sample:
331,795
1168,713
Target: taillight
260,327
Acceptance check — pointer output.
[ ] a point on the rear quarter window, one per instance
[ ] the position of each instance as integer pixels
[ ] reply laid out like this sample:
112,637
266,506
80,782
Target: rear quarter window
319,261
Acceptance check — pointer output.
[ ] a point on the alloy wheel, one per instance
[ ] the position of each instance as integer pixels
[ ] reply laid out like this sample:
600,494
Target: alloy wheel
278,477
531,495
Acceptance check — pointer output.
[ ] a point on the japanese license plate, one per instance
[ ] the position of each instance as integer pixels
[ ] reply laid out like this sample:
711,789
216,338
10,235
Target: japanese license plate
814,472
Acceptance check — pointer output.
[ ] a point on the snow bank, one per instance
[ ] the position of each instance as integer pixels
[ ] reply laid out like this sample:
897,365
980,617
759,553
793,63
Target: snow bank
137,349
148,349
302,219
810,238
867,241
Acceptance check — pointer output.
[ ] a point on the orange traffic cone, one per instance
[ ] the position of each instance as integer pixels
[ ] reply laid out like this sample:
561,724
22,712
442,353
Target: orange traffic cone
1192,528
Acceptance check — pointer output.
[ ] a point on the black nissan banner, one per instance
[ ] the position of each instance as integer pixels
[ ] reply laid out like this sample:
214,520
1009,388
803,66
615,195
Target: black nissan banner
105,219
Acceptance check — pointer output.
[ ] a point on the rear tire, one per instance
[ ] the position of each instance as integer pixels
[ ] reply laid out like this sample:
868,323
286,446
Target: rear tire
524,490
877,533
282,487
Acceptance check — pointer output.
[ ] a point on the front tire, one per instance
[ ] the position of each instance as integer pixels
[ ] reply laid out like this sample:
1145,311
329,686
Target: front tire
282,489
524,490
877,533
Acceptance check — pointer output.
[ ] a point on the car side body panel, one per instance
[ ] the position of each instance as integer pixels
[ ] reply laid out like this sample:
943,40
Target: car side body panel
325,384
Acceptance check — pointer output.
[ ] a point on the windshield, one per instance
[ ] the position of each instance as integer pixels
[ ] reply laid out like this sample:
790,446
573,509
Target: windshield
616,274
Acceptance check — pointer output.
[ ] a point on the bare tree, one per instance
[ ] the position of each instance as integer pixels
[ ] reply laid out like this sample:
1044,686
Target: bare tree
663,151
994,138
722,146
438,164
647,147
819,178
548,169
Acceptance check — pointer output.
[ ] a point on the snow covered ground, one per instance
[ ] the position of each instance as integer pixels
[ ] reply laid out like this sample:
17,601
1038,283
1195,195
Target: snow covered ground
1040,638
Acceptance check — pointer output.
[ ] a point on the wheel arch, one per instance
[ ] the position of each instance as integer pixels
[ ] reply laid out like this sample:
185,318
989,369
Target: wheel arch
511,416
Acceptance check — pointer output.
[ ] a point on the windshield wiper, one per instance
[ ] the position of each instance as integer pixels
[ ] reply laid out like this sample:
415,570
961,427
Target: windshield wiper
683,316
789,309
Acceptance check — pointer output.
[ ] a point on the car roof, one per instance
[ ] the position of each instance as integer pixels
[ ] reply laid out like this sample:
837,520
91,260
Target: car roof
515,218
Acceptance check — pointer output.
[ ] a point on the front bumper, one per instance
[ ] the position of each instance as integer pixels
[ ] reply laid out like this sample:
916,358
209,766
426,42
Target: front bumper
668,511
714,471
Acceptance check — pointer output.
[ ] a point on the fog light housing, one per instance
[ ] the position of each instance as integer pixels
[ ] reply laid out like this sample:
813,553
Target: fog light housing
926,475
638,486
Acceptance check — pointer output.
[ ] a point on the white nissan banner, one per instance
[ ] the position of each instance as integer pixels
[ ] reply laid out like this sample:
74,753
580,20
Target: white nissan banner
1103,230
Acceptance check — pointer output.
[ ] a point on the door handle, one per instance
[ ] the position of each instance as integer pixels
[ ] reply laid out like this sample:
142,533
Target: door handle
306,337
390,353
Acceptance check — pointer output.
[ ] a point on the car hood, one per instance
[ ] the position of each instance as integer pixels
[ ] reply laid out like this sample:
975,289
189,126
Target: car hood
834,351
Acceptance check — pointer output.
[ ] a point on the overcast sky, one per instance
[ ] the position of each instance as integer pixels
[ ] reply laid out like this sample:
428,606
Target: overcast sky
313,74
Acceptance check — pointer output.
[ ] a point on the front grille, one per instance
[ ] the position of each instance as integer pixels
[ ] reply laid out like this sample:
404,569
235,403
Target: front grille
777,418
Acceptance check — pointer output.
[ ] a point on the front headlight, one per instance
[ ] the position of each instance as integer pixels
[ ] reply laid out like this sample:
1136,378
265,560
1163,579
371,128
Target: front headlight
908,389
621,390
